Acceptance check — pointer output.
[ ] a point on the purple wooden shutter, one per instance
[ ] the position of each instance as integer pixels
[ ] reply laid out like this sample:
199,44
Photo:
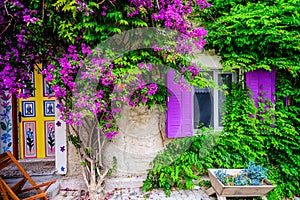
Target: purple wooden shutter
252,81
179,114
262,81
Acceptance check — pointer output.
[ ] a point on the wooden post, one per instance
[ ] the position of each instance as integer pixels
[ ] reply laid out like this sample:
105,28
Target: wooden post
15,124
210,191
221,197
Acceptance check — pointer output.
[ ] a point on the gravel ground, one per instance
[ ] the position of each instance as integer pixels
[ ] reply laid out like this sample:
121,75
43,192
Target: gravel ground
138,194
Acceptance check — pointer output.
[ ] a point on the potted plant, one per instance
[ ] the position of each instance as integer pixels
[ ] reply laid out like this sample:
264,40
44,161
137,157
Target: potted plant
249,182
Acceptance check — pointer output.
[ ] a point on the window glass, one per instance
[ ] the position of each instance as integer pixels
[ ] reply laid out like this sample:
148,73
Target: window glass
203,107
209,104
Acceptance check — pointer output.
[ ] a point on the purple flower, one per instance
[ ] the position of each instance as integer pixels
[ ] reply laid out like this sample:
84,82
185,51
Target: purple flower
62,148
71,49
144,99
5,104
6,97
152,88
111,134
6,138
58,123
26,18
20,37
4,116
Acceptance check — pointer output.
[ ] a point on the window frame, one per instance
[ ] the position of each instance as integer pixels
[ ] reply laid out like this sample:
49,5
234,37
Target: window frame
215,95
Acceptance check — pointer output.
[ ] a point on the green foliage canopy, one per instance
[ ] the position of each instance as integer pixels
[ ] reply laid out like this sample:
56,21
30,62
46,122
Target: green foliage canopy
254,34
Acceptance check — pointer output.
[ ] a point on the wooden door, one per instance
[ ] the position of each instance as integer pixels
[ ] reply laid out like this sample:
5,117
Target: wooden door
36,118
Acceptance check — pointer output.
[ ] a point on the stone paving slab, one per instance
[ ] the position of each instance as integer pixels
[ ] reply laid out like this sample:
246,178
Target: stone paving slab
62,190
138,194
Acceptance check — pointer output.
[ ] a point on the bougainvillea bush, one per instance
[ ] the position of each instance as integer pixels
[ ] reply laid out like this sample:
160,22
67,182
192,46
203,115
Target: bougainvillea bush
68,36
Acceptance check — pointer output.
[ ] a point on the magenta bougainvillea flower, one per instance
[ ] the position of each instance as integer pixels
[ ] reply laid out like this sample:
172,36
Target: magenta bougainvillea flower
65,42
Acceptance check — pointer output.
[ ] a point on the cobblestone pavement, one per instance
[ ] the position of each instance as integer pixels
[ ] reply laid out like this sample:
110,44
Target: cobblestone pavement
138,194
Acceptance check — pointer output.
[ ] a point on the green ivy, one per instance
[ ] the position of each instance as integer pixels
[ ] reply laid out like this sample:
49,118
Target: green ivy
250,134
254,34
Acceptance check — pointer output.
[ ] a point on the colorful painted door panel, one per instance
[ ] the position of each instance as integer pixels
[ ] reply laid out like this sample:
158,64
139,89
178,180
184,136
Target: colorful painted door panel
50,138
6,123
29,139
37,125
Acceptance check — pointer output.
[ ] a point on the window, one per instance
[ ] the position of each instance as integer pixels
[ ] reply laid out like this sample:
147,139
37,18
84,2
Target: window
190,108
208,103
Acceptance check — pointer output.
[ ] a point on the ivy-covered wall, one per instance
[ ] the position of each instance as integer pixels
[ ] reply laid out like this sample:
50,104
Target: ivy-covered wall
265,134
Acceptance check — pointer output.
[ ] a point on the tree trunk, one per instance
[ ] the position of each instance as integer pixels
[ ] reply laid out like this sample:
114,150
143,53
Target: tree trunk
95,194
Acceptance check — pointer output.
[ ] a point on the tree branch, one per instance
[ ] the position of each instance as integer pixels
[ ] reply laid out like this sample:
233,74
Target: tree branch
43,10
92,133
101,2
7,10
161,131
5,22
101,179
100,148
9,23
11,17
84,173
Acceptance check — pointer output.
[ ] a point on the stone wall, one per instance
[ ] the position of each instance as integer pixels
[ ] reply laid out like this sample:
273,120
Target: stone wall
137,143
73,161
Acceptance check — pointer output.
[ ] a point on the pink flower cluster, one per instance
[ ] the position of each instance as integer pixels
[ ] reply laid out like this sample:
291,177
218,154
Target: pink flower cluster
142,94
18,52
83,87
136,6
83,7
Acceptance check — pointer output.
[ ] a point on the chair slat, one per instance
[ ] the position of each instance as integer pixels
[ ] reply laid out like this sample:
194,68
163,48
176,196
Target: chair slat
11,193
19,185
5,160
8,190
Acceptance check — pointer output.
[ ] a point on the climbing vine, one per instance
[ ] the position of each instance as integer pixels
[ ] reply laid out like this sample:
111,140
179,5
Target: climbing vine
250,134
254,34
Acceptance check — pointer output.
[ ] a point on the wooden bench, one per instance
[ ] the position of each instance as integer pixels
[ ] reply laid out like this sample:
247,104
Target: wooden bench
10,192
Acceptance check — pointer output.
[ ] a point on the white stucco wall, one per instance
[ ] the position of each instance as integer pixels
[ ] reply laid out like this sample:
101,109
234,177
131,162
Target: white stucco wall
135,146
137,143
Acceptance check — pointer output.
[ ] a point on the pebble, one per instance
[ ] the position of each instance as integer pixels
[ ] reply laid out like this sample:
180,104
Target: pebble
138,194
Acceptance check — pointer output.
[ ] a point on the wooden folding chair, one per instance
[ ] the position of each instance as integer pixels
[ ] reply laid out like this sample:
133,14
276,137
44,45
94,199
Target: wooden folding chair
8,192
